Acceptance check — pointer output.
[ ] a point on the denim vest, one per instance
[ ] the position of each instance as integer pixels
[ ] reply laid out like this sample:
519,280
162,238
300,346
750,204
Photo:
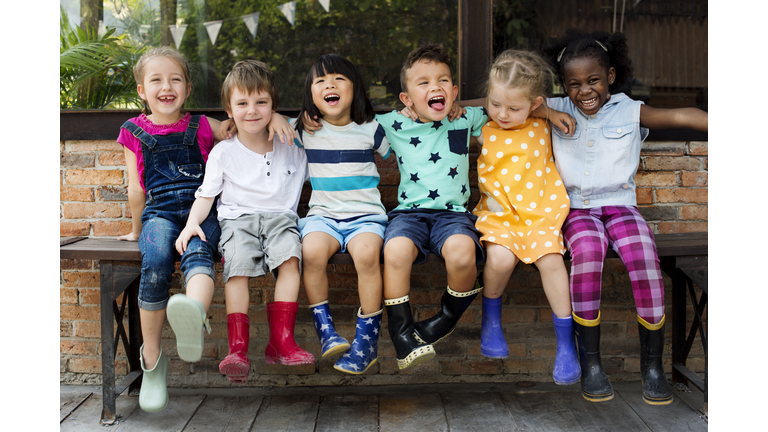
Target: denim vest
171,162
599,162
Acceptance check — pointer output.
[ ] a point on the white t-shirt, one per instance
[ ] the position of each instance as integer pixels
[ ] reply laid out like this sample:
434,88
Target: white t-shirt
250,182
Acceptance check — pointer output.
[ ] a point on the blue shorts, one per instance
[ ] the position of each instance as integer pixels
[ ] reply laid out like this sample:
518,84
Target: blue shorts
343,231
429,230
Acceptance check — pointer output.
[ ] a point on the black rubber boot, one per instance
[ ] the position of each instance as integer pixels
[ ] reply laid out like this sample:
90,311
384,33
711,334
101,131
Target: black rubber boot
595,386
408,350
656,389
452,305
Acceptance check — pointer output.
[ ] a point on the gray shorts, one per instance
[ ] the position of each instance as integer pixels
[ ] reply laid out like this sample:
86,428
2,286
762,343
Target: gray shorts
254,244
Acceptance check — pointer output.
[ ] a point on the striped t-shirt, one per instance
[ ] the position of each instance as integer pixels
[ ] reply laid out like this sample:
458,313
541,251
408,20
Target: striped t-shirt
342,169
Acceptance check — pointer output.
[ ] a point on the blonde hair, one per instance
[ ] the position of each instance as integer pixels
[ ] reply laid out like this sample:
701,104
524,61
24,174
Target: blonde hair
164,51
249,76
516,69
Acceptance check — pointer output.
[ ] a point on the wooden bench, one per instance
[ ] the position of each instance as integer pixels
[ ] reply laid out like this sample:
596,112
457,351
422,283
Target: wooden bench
683,258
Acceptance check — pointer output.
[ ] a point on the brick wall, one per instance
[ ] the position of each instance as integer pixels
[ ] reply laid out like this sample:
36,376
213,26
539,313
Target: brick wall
672,195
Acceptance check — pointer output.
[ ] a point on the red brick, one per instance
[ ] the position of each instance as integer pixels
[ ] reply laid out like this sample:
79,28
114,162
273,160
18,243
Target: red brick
90,297
93,145
518,315
539,350
515,366
661,163
682,195
68,295
78,347
88,329
65,329
698,148
94,210
80,279
80,313
695,179
94,177
112,158
656,179
681,227
71,229
85,365
75,264
80,160
71,193
694,212
644,195
471,367
112,228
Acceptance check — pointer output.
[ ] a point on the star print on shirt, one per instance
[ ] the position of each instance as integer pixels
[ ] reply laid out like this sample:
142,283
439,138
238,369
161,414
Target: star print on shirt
403,196
449,206
463,189
436,124
415,205
415,177
464,116
454,172
397,125
433,194
435,157
400,159
415,141
485,113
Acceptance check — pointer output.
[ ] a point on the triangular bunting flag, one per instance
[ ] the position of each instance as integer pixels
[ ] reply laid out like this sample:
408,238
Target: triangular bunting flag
177,31
213,28
289,10
326,5
252,22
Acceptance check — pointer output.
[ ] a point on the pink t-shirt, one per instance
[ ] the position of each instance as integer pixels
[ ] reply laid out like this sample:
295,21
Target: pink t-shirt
204,137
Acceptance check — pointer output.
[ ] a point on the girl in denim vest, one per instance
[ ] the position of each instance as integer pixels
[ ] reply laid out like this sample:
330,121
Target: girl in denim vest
597,162
165,154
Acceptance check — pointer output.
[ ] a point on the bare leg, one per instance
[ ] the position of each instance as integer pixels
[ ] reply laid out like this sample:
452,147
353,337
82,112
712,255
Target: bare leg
200,288
317,248
151,329
459,254
500,262
288,281
399,255
554,278
365,249
236,295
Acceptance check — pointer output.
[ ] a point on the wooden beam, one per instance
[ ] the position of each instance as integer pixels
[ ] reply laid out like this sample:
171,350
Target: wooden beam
475,46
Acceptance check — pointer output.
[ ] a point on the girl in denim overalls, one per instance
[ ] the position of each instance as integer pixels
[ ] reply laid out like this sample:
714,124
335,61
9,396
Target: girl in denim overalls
165,154
598,161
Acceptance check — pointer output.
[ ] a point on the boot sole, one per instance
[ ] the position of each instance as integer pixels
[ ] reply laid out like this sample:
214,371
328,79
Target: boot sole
187,323
338,349
417,356
235,369
658,401
354,372
597,398
418,338
567,383
493,355
275,360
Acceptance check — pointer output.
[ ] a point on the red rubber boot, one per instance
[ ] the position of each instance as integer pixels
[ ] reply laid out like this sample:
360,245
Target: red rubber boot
282,348
236,365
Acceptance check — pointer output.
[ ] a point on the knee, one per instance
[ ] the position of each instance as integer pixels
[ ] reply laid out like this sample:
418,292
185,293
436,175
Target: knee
399,251
459,252
313,258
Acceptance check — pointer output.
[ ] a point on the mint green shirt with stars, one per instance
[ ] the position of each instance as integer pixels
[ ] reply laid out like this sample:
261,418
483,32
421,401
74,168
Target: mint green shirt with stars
433,159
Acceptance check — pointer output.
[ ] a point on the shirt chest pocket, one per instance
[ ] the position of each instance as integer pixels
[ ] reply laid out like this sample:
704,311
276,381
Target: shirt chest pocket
564,143
619,145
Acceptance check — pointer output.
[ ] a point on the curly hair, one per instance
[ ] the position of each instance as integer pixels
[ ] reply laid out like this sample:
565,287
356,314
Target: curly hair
578,44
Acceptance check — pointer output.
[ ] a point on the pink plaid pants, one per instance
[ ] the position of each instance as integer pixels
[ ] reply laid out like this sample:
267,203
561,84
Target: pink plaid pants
588,233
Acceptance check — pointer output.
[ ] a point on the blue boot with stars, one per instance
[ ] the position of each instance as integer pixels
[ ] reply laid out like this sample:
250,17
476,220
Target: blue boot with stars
365,348
330,341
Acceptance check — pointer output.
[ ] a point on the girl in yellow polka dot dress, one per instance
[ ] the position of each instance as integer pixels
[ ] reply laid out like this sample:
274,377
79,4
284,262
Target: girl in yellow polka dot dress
523,202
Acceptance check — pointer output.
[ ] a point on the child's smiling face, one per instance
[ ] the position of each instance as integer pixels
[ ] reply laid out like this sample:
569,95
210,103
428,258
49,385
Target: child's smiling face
332,95
430,90
587,82
165,89
251,112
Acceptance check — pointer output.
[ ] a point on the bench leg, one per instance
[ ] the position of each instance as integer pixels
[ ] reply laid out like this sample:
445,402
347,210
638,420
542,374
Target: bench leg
108,412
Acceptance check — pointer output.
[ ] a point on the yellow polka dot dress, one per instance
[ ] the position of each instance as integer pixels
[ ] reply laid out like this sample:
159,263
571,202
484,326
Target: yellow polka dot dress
523,201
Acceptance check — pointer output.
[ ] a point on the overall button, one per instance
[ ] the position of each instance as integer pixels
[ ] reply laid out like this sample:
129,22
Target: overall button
586,172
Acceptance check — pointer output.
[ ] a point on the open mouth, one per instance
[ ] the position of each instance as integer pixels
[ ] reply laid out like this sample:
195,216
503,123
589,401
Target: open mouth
437,103
167,99
331,99
589,103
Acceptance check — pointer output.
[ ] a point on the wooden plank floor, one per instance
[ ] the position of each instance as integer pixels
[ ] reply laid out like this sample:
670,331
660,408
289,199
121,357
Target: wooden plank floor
424,407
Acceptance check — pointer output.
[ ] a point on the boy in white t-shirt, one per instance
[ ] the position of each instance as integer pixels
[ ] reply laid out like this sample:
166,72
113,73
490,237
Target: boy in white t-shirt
260,183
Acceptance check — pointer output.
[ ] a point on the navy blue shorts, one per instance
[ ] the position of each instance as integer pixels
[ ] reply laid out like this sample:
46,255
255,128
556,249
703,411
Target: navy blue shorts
429,229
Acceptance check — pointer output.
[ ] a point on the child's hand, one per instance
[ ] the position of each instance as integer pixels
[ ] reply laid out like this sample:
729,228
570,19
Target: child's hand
310,125
129,237
409,112
280,126
228,128
563,121
186,234
456,111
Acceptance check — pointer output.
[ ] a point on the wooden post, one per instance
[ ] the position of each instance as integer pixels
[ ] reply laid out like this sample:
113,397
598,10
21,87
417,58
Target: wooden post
475,46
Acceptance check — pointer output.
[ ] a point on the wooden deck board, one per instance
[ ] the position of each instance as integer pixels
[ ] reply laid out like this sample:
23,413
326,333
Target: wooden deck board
225,414
86,417
288,413
173,418
477,412
348,413
69,402
541,411
673,417
412,413
613,415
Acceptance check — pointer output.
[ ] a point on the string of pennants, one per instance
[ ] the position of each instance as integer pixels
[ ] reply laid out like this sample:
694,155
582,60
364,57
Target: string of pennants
251,21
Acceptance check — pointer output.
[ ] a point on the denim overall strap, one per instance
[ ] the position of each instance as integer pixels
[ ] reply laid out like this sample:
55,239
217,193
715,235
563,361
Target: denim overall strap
139,133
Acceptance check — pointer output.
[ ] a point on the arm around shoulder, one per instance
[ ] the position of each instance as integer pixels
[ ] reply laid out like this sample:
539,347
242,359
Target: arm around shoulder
687,118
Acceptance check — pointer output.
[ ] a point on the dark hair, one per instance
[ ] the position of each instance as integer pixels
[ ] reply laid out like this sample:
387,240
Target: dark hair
578,44
249,76
361,110
431,53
